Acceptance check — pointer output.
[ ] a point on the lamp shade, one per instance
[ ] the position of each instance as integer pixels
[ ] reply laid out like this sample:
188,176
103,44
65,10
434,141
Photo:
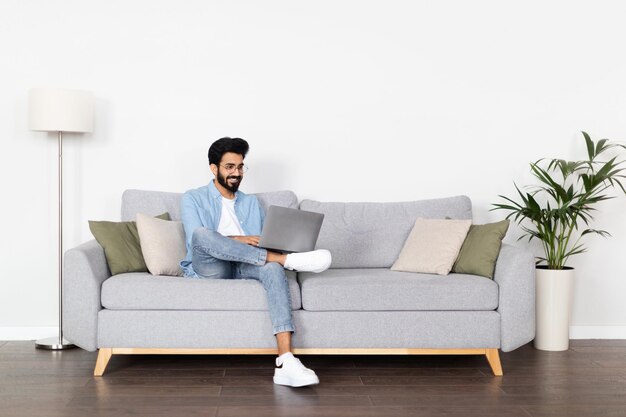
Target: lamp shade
60,110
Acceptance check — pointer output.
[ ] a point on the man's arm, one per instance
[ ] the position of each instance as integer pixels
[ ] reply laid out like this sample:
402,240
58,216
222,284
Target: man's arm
190,217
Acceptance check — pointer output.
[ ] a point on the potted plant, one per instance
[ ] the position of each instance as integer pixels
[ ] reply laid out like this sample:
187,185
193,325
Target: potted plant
557,212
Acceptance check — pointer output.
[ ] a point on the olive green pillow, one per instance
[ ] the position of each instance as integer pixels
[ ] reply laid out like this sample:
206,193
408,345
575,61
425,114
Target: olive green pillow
120,241
481,248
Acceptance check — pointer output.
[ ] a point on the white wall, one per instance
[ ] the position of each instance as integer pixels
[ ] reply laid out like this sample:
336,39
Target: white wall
340,100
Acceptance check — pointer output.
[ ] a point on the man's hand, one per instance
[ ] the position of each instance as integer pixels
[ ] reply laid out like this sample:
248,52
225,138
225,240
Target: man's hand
249,240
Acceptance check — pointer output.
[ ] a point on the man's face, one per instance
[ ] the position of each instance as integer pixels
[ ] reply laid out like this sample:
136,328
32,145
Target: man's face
227,174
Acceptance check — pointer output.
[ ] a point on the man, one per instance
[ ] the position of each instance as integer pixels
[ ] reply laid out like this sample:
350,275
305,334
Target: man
222,228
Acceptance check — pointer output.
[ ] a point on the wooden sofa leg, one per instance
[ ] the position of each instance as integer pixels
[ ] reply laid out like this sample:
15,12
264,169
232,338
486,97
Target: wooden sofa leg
104,355
494,361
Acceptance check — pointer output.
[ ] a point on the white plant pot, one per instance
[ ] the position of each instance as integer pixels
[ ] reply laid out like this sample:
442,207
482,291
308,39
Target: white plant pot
554,289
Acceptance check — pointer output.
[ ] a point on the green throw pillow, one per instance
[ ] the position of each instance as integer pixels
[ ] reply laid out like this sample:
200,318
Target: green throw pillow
480,250
120,241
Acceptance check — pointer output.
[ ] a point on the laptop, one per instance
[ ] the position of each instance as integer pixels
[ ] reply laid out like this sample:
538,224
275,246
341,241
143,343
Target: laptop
289,230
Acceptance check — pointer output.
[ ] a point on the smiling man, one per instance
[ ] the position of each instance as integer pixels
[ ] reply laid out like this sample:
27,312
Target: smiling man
222,228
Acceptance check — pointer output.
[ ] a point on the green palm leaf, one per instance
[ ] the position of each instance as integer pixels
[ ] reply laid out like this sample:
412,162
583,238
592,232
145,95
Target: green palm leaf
566,197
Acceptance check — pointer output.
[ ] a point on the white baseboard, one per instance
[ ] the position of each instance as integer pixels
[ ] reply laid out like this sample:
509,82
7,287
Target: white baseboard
597,332
575,332
28,333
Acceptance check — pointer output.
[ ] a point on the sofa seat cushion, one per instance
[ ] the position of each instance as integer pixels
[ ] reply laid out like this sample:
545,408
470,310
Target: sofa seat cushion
374,289
143,291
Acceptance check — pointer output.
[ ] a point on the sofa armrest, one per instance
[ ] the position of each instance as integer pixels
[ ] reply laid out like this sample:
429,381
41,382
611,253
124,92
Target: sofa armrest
515,276
85,268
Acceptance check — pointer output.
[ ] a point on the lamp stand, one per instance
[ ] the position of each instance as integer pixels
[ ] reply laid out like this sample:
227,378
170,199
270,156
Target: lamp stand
58,343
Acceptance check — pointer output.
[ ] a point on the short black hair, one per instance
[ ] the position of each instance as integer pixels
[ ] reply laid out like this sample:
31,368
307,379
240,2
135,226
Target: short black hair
223,145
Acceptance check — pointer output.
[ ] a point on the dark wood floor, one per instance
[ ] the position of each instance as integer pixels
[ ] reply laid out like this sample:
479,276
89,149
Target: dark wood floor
587,380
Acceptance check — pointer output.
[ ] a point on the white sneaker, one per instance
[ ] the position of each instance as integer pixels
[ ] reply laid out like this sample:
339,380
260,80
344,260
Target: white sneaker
314,261
293,373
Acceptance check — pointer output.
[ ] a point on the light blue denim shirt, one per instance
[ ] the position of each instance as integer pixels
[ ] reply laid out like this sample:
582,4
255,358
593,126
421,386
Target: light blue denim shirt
202,207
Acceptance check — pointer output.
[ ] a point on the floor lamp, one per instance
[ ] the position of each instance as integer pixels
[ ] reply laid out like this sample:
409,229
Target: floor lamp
60,110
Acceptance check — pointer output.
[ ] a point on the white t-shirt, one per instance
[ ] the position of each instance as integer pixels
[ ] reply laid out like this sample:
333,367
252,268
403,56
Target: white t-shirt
229,223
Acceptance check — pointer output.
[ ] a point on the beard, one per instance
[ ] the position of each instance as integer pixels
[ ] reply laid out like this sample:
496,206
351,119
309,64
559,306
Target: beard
223,181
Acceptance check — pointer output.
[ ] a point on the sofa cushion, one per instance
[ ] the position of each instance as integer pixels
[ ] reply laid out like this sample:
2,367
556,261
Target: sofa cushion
162,244
432,246
143,291
371,235
375,289
480,250
121,244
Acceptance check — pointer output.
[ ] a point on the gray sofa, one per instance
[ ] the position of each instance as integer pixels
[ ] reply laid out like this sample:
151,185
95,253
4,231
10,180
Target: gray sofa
358,306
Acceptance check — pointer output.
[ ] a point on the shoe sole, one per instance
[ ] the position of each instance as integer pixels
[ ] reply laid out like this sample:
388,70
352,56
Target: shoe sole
280,380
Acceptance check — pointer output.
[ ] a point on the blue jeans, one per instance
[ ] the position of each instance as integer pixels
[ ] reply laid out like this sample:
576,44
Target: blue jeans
217,256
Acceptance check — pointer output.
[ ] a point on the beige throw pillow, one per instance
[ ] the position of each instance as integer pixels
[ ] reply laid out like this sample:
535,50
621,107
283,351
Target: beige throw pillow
162,244
432,246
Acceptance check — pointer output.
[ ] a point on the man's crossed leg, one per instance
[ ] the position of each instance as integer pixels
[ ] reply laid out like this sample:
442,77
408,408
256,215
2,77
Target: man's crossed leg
217,256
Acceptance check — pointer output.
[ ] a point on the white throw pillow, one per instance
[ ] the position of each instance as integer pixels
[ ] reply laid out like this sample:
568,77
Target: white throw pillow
432,246
162,244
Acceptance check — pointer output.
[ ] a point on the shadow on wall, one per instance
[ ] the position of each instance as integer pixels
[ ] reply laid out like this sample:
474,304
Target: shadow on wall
268,174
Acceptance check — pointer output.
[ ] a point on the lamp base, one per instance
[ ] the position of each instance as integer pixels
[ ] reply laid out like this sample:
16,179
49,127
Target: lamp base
52,343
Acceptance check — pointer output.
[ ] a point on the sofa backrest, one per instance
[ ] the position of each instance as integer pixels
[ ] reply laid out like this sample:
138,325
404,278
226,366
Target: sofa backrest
157,202
371,235
359,235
